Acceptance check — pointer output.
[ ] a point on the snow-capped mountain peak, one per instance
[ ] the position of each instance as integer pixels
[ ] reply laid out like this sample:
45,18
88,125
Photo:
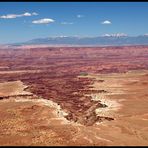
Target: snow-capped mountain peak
115,35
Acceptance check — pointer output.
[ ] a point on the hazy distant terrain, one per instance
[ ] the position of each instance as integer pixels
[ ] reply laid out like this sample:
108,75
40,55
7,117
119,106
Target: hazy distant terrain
108,40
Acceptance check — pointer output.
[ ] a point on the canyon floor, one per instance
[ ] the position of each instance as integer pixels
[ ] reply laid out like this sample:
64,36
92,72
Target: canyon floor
65,96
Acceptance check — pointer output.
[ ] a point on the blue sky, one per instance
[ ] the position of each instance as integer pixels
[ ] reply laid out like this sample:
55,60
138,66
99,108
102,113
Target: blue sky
22,21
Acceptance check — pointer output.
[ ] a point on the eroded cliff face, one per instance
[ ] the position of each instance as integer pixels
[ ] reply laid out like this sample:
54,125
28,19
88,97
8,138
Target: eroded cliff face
79,106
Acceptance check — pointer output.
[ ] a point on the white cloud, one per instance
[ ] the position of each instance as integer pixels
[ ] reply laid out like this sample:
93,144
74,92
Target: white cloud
79,16
26,14
11,16
67,23
43,21
106,22
34,13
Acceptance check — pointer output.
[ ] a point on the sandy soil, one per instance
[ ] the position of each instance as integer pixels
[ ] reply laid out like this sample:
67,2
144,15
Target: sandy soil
13,88
18,71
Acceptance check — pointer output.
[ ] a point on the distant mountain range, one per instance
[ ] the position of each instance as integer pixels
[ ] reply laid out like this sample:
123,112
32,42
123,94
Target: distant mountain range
106,40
